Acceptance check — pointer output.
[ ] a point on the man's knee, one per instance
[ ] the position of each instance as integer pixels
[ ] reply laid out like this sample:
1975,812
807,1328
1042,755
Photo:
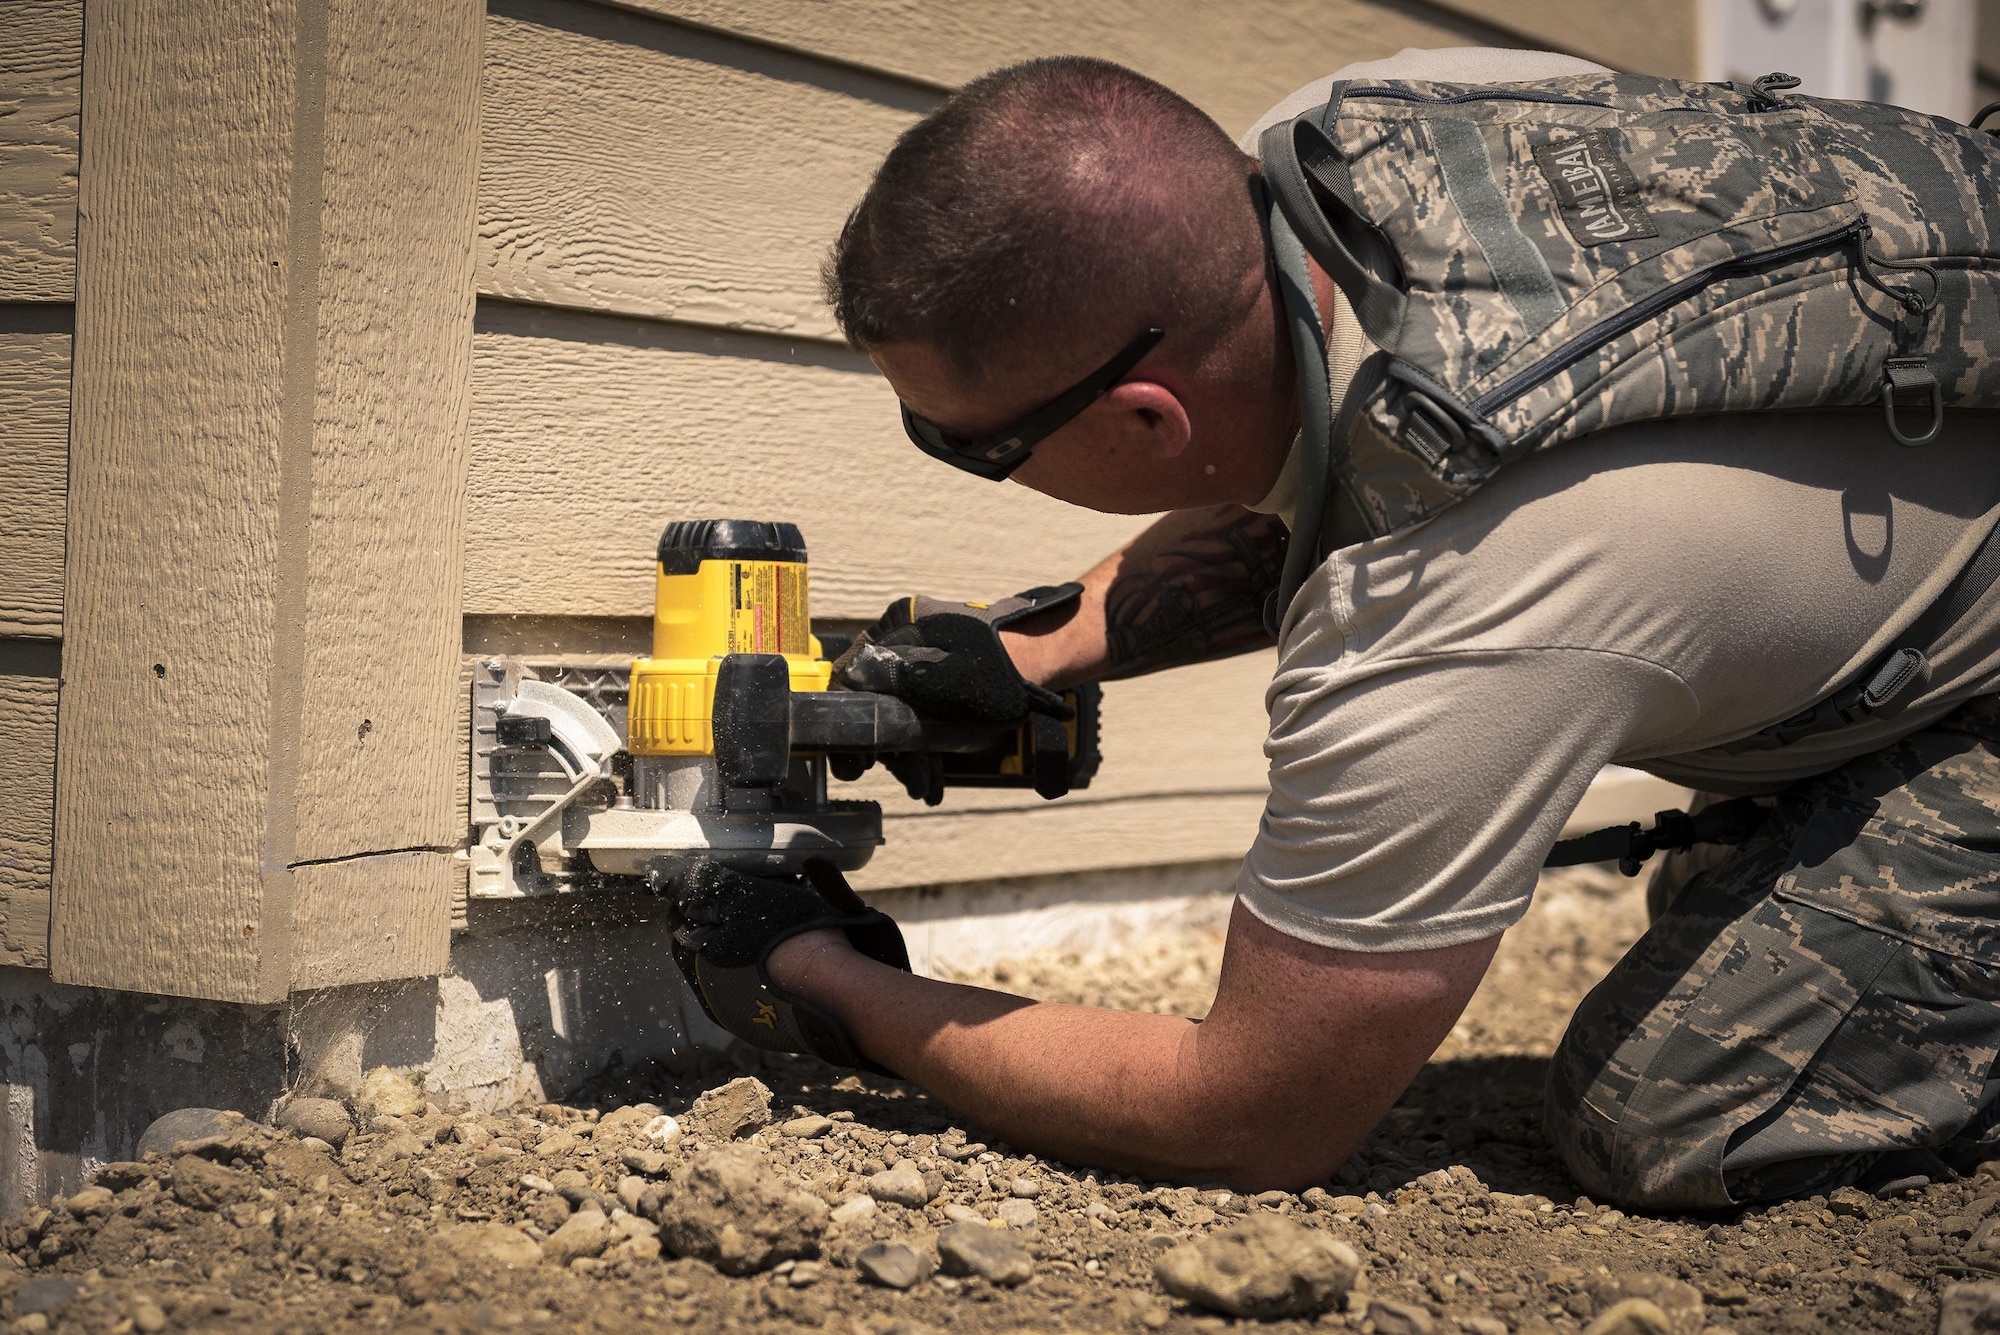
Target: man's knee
1616,1155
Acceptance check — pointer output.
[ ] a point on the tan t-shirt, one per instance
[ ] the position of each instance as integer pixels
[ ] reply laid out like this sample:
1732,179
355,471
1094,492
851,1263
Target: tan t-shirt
1443,696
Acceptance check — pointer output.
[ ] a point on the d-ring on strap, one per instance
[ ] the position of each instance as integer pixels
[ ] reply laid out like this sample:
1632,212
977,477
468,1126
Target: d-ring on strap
1900,375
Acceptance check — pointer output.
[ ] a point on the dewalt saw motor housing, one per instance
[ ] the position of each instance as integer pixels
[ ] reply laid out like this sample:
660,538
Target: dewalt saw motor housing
732,730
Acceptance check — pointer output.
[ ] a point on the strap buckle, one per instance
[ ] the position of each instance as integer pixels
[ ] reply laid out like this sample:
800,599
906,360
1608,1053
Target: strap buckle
1891,686
1908,373
1767,93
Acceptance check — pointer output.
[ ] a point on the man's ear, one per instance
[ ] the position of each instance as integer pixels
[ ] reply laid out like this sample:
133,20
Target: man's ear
1153,415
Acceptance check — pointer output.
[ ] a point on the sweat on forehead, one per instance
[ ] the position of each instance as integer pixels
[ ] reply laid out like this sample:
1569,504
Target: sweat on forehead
1043,213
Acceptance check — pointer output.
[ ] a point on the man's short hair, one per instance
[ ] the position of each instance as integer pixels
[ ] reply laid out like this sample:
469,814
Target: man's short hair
1052,202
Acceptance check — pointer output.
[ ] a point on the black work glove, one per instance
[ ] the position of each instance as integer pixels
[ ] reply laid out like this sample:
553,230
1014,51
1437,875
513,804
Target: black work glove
947,662
946,659
726,924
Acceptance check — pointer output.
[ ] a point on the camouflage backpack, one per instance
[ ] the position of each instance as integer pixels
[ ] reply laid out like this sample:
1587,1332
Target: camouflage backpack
1538,261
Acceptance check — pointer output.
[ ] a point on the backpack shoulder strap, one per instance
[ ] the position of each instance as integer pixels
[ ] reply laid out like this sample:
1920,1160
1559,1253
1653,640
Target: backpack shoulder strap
1311,184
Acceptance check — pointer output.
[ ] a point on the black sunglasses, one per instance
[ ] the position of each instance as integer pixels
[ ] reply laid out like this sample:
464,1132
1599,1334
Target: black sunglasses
998,453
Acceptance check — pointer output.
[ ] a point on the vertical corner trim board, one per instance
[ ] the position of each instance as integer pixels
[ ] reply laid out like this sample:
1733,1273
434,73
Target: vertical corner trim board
41,77
350,923
261,603
391,435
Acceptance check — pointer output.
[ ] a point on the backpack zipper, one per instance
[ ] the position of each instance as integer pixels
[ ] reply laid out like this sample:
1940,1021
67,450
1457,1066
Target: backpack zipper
1604,331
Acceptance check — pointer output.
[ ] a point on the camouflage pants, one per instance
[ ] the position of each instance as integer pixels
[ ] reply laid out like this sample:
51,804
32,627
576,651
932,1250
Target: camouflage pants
1826,996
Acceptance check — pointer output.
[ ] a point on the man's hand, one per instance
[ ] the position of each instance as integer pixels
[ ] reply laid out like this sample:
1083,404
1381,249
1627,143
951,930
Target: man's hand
726,926
947,660
1305,1050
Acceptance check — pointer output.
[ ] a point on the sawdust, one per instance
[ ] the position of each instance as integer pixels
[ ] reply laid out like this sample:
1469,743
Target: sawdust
544,1218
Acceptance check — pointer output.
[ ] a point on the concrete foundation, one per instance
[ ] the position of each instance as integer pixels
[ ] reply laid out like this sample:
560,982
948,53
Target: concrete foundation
540,996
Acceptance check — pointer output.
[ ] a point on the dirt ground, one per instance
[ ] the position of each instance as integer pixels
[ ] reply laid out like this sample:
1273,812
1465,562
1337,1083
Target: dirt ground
429,1219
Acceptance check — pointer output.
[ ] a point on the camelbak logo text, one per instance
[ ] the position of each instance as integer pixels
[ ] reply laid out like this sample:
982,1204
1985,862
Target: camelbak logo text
1594,188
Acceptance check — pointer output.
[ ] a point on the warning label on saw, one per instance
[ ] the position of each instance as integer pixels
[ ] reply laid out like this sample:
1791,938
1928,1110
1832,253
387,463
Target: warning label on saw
770,613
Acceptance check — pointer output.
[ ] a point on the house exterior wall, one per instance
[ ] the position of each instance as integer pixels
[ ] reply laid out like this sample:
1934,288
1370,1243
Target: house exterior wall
474,301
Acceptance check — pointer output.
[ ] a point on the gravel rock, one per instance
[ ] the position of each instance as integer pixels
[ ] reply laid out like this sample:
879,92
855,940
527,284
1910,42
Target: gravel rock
147,1318
853,1209
807,1128
397,1146
385,1093
993,1254
549,1213
556,1145
1969,1309
202,1185
1266,1266
1885,1291
1902,1186
326,1119
47,1294
88,1201
901,1185
1680,1302
573,1185
728,1209
1027,1188
1019,1214
189,1125
121,1174
491,1242
651,1163
739,1108
1393,1318
891,1264
1631,1316
638,1240
631,1117
586,1233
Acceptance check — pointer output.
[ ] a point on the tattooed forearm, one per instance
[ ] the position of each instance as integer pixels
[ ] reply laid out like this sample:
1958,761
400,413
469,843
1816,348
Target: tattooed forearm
1192,588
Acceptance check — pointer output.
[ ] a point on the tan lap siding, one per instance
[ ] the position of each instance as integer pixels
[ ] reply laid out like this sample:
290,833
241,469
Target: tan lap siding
652,169
34,435
41,78
34,443
1233,60
28,673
